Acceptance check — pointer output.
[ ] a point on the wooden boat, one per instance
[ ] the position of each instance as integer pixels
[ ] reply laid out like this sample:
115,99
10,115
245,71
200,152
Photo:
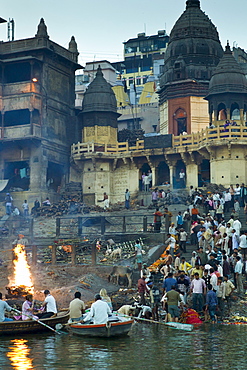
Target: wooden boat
118,327
32,326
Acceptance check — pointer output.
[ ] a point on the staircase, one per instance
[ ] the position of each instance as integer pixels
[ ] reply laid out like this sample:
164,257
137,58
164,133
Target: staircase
241,216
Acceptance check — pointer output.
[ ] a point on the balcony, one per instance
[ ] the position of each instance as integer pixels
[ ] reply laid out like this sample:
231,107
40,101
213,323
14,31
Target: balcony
22,131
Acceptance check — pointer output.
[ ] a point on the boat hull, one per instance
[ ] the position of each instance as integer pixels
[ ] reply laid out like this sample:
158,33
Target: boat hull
108,330
31,326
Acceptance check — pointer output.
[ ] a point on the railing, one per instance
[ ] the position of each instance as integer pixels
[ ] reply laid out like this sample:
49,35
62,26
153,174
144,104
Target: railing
209,134
193,140
91,147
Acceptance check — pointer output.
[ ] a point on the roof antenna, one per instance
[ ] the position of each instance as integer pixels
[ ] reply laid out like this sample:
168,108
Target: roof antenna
11,29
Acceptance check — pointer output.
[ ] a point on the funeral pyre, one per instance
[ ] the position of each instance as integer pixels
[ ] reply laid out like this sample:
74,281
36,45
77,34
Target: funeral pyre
20,284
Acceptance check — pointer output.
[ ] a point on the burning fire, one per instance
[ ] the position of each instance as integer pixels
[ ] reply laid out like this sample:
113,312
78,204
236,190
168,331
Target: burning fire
22,275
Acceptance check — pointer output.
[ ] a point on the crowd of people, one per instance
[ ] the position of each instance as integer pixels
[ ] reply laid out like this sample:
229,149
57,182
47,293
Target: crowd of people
217,266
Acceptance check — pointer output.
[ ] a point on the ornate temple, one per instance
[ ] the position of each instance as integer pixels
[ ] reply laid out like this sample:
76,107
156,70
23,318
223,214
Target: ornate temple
201,86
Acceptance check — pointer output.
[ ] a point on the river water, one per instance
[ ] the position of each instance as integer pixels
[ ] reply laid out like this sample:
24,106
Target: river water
148,346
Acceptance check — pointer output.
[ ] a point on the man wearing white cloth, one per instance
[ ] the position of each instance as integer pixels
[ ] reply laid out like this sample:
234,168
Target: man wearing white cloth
99,312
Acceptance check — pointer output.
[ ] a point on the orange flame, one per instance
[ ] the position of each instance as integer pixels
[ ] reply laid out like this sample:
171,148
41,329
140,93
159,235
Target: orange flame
22,275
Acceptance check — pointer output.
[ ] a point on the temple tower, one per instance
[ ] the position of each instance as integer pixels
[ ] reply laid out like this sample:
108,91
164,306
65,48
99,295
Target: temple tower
99,112
227,95
193,52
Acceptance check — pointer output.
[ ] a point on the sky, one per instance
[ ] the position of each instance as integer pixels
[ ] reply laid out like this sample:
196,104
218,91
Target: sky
101,27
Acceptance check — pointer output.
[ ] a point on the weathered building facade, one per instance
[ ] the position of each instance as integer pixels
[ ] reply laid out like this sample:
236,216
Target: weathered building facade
38,122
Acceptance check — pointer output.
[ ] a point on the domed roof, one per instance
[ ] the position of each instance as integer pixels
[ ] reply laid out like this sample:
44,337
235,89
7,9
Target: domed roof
194,48
228,76
99,96
194,23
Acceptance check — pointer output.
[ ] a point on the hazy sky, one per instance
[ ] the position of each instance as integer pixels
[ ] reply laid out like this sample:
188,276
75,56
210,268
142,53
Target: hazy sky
100,27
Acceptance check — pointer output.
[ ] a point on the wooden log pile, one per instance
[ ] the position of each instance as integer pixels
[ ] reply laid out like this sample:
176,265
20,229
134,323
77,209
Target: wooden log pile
71,203
72,192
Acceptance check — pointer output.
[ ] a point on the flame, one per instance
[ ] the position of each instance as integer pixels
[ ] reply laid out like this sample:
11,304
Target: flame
22,275
19,353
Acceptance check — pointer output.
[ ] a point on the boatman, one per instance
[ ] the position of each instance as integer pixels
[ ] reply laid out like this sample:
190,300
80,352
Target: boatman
99,312
4,306
76,308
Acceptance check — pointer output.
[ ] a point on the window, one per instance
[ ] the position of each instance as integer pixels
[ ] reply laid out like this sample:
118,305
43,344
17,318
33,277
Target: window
144,79
138,81
18,174
17,117
17,72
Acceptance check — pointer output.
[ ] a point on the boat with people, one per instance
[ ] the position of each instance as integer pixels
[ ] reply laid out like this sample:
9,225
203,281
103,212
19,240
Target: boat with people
31,326
114,327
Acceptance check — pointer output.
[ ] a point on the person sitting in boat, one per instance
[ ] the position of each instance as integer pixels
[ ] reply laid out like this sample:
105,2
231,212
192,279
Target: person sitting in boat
99,312
27,308
105,297
4,306
76,308
49,305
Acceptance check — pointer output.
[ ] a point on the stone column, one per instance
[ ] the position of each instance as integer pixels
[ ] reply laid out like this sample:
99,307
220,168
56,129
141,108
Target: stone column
1,168
228,113
192,175
242,116
38,170
154,176
172,170
214,116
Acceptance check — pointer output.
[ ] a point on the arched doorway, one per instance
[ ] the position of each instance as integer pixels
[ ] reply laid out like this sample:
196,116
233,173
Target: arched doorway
204,172
221,112
180,121
179,180
163,173
235,112
145,169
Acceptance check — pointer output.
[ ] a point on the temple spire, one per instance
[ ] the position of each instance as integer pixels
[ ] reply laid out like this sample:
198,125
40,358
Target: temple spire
228,48
192,3
42,29
73,45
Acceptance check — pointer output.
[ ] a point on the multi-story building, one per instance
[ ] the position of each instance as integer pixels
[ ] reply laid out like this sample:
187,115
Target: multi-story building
139,56
38,122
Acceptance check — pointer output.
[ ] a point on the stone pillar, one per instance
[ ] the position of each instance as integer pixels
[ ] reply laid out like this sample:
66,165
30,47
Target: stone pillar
38,169
211,117
228,113
214,116
192,175
172,171
1,168
154,176
242,116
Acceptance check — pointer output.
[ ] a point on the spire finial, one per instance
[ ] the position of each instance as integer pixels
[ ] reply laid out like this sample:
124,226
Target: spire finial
73,45
42,29
192,3
99,71
228,48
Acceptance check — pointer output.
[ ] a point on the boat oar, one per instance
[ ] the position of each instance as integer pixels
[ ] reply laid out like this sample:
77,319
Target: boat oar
40,322
174,325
